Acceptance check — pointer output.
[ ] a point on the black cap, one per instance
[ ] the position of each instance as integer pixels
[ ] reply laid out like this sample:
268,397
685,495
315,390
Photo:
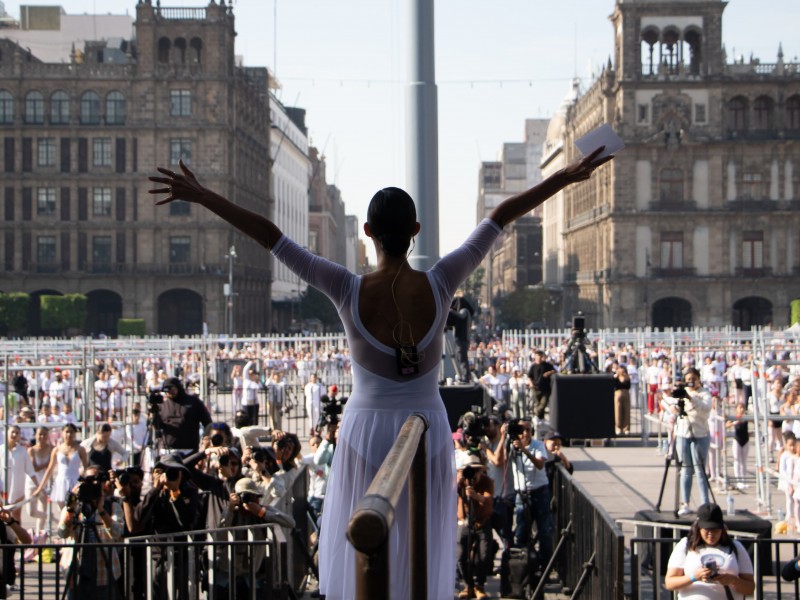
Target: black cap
554,435
172,461
172,382
709,516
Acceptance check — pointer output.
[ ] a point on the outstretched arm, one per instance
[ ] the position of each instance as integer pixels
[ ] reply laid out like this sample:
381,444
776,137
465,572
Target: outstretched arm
521,204
184,186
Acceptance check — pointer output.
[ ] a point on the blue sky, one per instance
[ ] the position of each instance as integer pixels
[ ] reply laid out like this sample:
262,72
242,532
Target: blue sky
498,62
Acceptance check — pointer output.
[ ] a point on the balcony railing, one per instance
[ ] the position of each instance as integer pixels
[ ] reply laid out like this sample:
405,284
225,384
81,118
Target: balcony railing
753,273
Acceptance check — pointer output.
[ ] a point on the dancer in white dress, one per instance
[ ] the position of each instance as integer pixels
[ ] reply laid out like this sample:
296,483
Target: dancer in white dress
67,459
393,318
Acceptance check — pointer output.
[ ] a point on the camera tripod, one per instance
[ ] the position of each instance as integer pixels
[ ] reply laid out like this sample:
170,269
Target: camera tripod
672,455
77,582
577,360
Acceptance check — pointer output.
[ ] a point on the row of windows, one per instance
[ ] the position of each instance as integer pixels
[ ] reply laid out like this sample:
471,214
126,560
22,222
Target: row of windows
35,109
763,113
750,185
99,202
672,250
100,246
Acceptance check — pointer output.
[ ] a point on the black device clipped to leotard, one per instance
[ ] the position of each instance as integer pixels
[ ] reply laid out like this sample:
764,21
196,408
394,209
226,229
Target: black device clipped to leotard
408,360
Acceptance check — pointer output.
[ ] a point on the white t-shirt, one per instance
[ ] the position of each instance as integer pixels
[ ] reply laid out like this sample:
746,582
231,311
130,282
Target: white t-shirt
728,561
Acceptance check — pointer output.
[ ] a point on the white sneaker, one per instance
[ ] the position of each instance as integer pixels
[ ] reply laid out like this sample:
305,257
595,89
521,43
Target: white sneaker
684,510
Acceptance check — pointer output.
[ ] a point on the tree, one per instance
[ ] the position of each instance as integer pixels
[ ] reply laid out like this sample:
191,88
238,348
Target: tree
13,312
63,312
131,327
522,307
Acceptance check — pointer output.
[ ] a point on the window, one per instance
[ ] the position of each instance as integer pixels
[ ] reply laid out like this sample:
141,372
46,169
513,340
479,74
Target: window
752,250
46,201
179,208
101,253
101,152
649,60
46,252
179,249
6,107
752,186
672,250
101,202
90,108
59,108
792,112
737,112
164,46
115,109
180,103
313,242
699,113
46,152
642,111
671,185
34,108
180,148
762,112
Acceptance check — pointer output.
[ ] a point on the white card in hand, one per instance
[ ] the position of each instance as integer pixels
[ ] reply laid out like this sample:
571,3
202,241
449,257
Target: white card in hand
602,136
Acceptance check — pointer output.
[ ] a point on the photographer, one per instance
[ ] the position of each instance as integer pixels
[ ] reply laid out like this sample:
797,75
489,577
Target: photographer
179,414
220,485
171,507
540,376
11,532
475,493
499,471
244,508
532,489
92,571
262,469
691,405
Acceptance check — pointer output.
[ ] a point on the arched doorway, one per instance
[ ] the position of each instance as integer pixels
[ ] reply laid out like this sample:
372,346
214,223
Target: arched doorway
752,312
103,310
35,311
672,313
180,312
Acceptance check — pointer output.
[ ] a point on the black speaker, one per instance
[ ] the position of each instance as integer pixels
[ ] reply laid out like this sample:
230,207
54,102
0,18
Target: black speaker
459,399
582,406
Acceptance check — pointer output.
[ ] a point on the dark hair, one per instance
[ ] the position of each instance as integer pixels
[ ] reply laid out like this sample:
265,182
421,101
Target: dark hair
695,541
391,216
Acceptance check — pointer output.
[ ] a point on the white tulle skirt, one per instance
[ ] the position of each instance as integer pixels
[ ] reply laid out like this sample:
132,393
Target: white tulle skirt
371,421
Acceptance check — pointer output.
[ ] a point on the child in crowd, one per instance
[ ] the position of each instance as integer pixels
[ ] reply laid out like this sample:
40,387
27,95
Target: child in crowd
784,467
740,446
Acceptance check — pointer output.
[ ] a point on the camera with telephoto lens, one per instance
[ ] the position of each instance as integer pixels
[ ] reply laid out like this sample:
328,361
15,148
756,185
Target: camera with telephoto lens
515,429
469,473
248,497
124,475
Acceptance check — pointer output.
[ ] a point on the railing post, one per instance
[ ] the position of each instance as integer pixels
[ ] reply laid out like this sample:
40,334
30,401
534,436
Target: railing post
418,508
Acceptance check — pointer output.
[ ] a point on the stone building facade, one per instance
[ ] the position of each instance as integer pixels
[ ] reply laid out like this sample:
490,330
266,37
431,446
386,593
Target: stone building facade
697,221
80,136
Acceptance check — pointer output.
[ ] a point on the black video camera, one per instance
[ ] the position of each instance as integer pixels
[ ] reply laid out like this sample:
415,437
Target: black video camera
681,396
473,430
331,409
91,487
154,402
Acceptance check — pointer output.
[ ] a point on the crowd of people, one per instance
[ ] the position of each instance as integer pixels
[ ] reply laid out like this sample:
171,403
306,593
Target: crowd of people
507,491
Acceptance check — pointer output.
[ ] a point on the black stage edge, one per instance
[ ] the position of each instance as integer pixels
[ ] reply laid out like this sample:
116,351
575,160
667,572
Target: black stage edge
582,406
459,399
743,520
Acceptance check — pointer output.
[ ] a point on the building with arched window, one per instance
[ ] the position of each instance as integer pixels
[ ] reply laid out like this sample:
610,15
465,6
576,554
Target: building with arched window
697,221
83,123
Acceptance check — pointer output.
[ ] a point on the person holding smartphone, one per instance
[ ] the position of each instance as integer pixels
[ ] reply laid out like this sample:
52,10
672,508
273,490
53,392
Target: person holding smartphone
708,563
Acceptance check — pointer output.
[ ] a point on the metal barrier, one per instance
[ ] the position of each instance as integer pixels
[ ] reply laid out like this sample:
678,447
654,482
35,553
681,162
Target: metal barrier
590,554
193,565
647,552
373,517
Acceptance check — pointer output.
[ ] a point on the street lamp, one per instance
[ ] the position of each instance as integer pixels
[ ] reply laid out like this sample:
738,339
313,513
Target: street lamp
228,288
